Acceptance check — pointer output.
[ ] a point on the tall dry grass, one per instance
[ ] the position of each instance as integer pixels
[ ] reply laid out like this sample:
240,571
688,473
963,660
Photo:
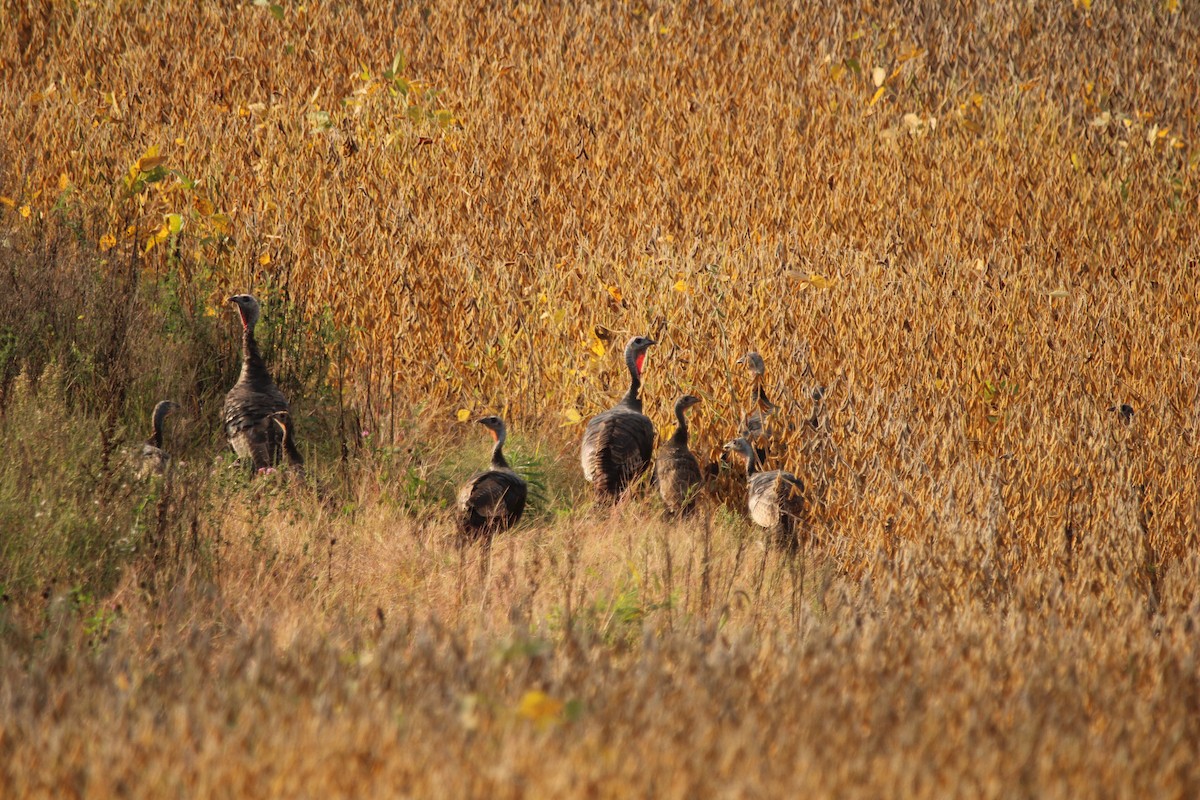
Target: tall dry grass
975,225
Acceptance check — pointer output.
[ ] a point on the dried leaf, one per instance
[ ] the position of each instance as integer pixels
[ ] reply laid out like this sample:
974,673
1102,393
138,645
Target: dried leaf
540,708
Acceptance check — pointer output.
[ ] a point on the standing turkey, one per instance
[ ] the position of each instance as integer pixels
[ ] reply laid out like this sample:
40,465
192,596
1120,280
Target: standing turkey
619,443
154,459
253,399
676,467
494,500
754,424
775,499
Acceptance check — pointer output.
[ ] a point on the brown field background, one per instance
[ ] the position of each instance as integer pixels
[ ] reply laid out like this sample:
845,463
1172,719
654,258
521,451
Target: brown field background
974,224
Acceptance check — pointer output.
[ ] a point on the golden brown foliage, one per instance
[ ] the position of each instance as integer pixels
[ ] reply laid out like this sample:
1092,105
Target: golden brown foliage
975,224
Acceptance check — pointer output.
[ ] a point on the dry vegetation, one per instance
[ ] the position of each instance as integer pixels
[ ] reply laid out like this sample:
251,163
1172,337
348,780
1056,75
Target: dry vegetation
976,225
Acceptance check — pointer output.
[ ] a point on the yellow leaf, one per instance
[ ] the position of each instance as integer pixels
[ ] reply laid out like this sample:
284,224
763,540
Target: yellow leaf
150,159
107,242
598,348
203,205
939,384
8,201
220,223
573,417
875,97
614,291
1076,161
26,211
463,414
174,223
539,707
819,281
63,182
680,286
179,141
264,259
158,237
1173,6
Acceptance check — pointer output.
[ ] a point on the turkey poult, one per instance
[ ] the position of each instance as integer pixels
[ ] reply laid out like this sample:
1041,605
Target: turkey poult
253,399
154,459
493,500
619,443
677,469
775,499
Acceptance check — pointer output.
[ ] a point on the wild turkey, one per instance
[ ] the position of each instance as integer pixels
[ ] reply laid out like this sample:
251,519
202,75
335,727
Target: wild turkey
754,425
253,399
775,499
677,469
493,500
154,459
618,443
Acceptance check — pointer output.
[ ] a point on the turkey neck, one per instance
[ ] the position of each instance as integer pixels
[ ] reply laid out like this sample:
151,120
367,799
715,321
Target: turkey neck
631,399
156,426
680,437
760,395
254,369
751,463
498,460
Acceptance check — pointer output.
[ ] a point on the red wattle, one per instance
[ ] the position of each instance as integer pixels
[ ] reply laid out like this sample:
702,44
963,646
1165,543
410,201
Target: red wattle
640,358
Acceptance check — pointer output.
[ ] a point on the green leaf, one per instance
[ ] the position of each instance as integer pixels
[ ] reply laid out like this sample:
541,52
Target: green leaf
276,11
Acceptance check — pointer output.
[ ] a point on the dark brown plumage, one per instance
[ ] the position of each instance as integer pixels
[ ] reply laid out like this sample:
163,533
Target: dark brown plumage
676,467
253,399
154,459
619,443
775,499
494,500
